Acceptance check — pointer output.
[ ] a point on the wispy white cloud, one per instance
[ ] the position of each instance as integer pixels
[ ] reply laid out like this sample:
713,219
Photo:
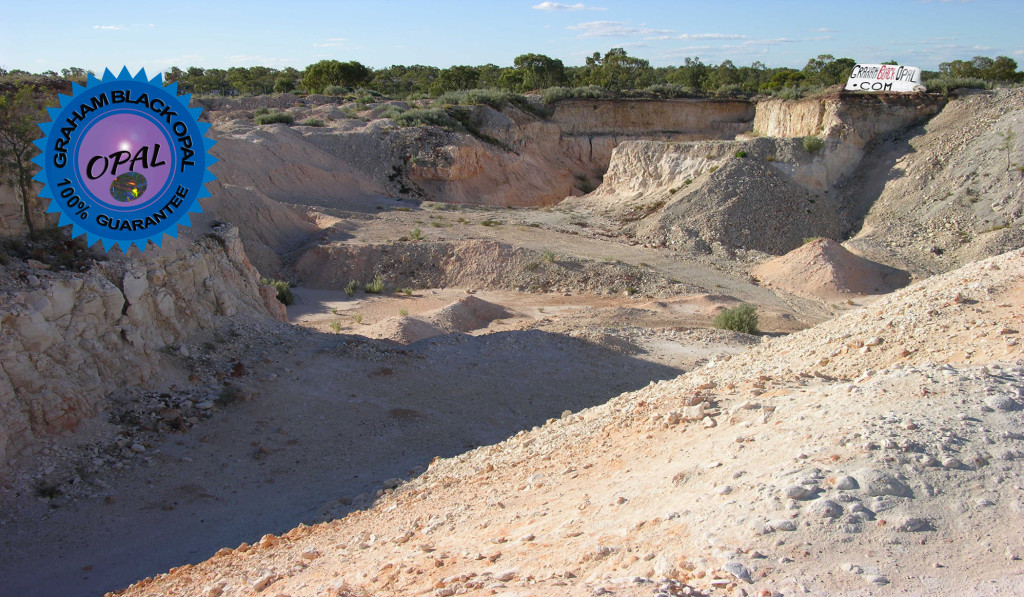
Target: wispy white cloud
110,27
559,6
824,30
615,29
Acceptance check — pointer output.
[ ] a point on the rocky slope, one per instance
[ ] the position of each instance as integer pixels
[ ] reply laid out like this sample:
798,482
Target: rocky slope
879,453
69,339
948,192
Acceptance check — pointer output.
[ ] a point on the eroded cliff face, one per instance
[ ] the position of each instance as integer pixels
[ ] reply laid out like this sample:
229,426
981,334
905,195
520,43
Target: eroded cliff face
68,340
510,157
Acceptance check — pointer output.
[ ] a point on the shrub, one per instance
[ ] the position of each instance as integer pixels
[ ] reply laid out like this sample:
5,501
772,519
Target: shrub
947,84
275,117
403,312
428,117
549,256
358,318
730,90
416,234
284,290
376,286
741,154
313,122
261,111
494,98
813,144
335,90
554,94
336,326
740,319
669,90
351,288
392,112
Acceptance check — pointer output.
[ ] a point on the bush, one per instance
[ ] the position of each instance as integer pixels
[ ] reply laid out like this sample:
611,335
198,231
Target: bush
740,319
428,117
335,90
554,94
351,288
392,112
376,286
948,84
275,117
669,90
741,154
313,122
813,144
261,111
494,98
284,290
730,90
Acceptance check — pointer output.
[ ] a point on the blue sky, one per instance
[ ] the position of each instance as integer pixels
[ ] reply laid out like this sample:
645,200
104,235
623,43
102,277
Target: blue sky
43,34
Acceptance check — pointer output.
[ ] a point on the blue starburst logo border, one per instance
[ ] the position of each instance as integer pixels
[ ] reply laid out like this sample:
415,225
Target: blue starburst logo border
75,212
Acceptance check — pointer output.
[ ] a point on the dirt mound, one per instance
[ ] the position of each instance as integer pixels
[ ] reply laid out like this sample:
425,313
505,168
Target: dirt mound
823,268
464,315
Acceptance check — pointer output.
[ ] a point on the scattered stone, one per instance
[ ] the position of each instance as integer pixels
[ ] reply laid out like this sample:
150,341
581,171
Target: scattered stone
783,524
799,492
913,525
846,483
738,570
878,483
1001,402
827,509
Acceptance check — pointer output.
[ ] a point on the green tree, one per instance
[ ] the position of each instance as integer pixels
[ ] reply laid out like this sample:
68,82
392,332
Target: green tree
20,112
616,70
332,72
455,78
826,70
539,71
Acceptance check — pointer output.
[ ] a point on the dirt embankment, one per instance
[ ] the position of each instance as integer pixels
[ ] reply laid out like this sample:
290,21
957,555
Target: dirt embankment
860,456
70,339
511,158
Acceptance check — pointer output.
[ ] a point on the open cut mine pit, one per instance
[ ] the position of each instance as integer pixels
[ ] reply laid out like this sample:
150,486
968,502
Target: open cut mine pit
499,366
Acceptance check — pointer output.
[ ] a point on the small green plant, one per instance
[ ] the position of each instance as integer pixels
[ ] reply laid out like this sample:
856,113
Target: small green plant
810,239
284,290
416,234
275,117
739,319
407,291
672,191
741,154
813,143
712,168
261,111
549,256
403,312
335,326
358,318
351,288
490,222
313,122
1008,146
688,181
375,286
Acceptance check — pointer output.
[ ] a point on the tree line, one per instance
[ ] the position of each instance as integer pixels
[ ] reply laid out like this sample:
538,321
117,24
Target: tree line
614,71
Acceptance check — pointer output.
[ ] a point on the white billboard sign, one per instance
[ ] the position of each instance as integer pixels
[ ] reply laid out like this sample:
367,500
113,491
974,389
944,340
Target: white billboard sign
886,78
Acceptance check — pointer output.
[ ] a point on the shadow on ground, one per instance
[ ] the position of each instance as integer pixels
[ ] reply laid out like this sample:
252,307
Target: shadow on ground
335,417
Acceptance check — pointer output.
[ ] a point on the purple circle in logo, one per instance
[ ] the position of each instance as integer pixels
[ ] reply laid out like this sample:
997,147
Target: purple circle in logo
122,143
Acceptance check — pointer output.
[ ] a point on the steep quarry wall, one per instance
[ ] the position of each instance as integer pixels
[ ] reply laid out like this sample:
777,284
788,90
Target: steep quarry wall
510,157
855,118
67,340
701,119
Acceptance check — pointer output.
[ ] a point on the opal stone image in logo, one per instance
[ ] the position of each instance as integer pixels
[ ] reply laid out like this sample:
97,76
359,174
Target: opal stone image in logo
124,160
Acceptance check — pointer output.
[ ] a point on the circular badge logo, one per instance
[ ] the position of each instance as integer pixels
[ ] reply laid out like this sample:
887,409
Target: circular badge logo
124,160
